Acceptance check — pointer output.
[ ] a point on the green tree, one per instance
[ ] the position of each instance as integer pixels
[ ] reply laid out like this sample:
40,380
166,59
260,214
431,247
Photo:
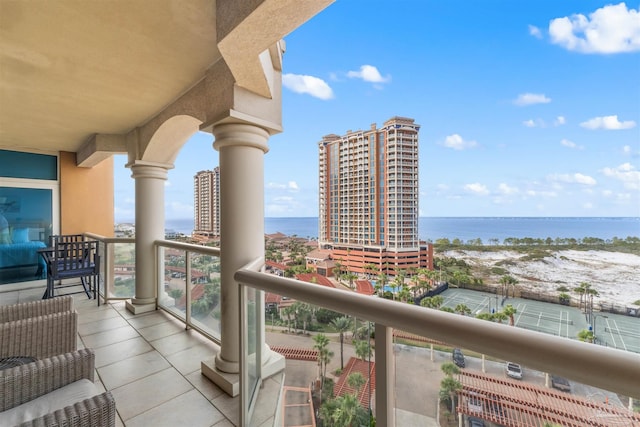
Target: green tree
432,302
321,343
586,335
176,294
499,316
449,386
341,325
363,349
462,309
510,311
356,380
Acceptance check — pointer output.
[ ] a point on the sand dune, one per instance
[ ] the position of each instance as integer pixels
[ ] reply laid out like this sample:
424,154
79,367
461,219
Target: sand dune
615,275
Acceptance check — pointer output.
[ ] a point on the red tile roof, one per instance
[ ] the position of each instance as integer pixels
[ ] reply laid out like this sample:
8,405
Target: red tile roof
315,278
367,370
364,287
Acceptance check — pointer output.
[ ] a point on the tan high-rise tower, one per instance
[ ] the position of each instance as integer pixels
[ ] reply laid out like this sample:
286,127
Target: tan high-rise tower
206,203
368,198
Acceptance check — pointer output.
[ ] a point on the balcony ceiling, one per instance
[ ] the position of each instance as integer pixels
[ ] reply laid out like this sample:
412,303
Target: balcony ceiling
73,68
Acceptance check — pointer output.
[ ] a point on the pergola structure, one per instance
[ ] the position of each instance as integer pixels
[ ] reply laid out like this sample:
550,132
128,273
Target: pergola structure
514,403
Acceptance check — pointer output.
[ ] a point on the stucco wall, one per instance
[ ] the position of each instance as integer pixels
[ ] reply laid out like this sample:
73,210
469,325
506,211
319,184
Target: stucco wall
86,197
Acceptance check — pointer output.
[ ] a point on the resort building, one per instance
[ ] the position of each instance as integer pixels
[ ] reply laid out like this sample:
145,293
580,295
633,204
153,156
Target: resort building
84,81
368,198
206,203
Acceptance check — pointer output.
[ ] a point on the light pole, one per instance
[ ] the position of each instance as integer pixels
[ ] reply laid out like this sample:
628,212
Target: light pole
595,337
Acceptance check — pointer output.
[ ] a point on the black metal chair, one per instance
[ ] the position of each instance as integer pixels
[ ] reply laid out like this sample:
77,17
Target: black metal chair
71,256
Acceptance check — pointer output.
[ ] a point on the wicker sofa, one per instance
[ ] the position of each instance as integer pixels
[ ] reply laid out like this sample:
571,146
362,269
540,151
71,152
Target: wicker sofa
47,393
38,329
37,308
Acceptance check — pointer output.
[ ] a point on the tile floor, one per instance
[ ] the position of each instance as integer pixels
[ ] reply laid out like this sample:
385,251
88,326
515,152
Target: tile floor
151,365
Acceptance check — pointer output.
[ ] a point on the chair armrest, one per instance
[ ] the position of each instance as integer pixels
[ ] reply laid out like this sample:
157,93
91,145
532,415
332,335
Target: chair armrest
25,310
97,411
26,382
41,336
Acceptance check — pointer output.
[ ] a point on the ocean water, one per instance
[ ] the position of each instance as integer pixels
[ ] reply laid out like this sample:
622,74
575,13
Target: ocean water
485,228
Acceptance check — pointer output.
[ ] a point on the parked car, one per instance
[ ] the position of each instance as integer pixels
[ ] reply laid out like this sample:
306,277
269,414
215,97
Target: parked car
513,370
458,357
560,383
475,422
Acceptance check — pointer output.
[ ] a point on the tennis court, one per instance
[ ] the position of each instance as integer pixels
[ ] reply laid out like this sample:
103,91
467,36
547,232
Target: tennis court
612,330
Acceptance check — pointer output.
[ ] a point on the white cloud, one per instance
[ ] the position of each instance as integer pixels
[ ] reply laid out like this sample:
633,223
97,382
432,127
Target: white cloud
576,178
292,186
534,193
477,188
531,123
369,73
456,142
627,150
535,31
587,206
626,173
531,99
570,144
607,193
560,120
505,189
311,85
608,123
610,29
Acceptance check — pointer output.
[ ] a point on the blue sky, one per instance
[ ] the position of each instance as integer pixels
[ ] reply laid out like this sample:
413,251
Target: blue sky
527,108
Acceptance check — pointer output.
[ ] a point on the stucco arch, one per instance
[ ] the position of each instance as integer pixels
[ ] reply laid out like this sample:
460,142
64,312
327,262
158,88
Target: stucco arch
168,139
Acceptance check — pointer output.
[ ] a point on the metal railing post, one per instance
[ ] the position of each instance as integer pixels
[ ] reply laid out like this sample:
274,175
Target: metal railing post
385,377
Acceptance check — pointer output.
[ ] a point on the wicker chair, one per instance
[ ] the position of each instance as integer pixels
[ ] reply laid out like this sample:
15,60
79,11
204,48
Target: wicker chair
36,308
38,329
23,384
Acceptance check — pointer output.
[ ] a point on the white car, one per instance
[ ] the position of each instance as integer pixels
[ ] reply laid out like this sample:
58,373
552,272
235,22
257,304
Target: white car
513,370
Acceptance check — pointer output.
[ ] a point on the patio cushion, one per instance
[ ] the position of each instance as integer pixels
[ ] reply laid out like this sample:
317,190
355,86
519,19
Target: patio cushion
49,403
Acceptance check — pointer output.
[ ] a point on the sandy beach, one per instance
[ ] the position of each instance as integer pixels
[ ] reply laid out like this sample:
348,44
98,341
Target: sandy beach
615,275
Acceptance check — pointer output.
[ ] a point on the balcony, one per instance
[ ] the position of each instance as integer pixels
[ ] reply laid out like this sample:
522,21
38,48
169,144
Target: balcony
158,355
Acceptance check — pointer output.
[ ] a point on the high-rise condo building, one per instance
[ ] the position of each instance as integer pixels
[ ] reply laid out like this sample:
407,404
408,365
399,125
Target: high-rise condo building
206,203
368,198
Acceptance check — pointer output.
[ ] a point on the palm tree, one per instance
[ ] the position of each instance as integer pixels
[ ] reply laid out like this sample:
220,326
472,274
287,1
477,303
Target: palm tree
350,277
432,302
462,309
363,349
449,369
382,281
288,312
356,380
341,325
449,386
324,357
507,281
582,290
485,316
348,412
499,316
510,311
369,268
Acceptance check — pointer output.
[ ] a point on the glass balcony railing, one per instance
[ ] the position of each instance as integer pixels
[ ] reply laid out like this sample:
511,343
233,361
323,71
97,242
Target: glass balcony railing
117,267
189,285
412,372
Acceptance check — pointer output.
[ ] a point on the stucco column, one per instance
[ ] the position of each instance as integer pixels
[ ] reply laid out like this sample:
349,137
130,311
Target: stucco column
149,188
242,149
